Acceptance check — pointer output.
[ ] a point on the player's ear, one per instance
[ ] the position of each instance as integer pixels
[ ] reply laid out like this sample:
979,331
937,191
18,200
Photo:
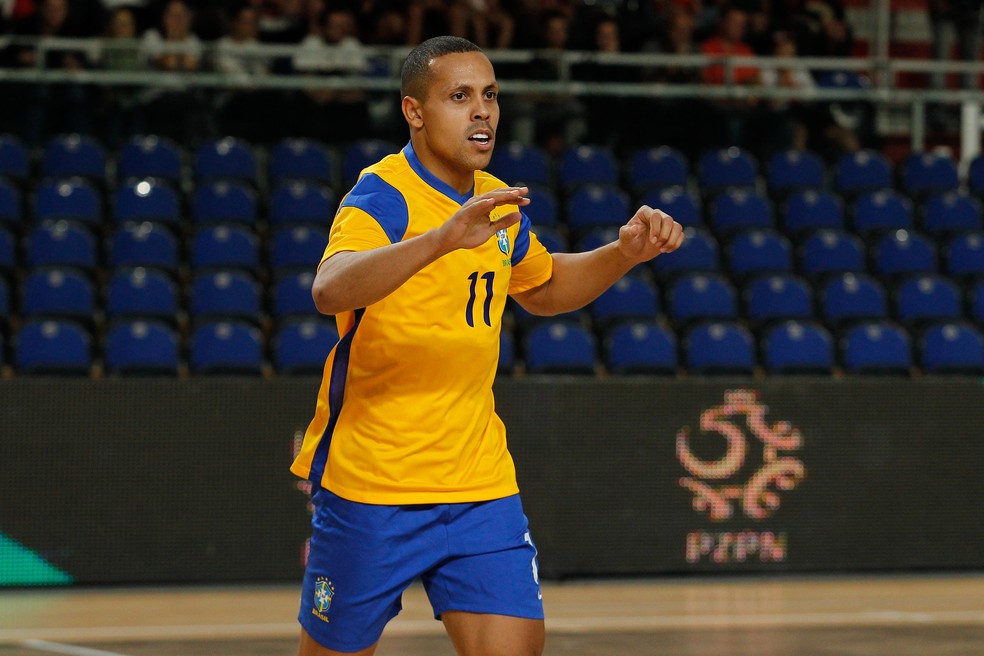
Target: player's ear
412,112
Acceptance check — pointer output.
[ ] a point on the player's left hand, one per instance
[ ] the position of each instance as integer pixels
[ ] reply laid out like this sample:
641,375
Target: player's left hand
649,233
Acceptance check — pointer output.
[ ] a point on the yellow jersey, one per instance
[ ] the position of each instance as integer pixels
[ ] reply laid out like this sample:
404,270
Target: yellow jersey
405,413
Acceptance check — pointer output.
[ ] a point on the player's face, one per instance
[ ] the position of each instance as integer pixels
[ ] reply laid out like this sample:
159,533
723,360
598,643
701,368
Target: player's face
459,117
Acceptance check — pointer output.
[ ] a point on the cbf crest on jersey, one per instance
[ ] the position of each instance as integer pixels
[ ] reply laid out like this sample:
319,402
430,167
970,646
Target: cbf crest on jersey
324,591
503,238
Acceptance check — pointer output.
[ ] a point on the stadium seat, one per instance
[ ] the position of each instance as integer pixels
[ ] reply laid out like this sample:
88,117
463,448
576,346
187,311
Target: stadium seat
657,168
903,253
877,348
297,247
15,162
517,164
791,171
852,297
740,209
225,246
62,293
73,155
584,164
862,171
301,159
224,294
928,298
507,352
796,347
632,297
224,201
595,205
699,253
807,211
144,244
226,347
146,200
826,252
301,347
726,168
640,348
881,211
678,203
72,198
952,348
141,347
302,202
52,347
141,292
228,159
975,175
755,252
292,295
719,348
8,252
11,212
560,347
702,296
553,239
921,174
363,153
542,210
524,321
951,212
777,297
150,156
965,255
62,243
977,302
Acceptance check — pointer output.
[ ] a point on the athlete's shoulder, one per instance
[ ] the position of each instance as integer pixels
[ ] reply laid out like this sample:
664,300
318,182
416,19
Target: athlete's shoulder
377,194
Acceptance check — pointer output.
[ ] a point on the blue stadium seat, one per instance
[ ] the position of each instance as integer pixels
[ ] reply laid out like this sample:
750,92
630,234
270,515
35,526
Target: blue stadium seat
877,347
11,208
583,164
825,252
301,347
227,158
722,347
560,347
699,253
862,171
297,247
922,299
754,252
951,212
657,168
63,293
777,297
363,153
146,200
790,171
224,201
796,347
552,239
53,347
925,173
73,155
699,296
639,347
725,168
292,295
141,292
301,159
225,246
302,202
542,210
880,211
852,297
142,347
904,252
678,203
806,211
975,175
965,255
15,162
150,156
524,321
144,244
594,205
632,297
977,302
596,238
72,198
62,243
8,251
225,294
517,164
507,352
952,348
226,347
740,209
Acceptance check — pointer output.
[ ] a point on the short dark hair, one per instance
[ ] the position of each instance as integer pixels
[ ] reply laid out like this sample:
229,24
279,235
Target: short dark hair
416,68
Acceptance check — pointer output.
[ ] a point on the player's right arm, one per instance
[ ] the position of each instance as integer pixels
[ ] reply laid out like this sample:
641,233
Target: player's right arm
349,280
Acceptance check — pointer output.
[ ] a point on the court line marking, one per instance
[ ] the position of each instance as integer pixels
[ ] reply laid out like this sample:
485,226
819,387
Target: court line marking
70,650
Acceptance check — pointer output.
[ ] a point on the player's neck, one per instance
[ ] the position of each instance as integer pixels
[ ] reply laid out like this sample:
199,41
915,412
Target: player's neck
459,179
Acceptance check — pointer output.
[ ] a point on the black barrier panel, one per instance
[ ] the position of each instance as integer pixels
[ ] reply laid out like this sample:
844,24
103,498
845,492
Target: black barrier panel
133,481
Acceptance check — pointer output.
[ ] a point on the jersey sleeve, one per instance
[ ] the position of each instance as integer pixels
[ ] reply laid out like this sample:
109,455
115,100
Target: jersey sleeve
532,265
373,214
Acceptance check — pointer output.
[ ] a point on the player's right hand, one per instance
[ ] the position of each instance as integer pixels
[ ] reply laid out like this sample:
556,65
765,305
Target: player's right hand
477,220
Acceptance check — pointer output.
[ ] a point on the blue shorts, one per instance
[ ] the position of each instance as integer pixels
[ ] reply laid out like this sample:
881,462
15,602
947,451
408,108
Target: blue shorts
474,557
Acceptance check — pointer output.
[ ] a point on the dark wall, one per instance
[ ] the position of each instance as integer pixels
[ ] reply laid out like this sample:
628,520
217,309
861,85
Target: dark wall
149,480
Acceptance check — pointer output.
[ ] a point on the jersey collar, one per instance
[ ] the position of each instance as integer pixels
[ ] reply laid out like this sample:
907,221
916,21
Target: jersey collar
433,180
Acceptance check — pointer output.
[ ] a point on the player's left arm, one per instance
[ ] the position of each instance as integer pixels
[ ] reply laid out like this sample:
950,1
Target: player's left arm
579,278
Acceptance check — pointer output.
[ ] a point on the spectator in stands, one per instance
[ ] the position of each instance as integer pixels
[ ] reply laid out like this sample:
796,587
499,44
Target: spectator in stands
119,105
793,119
953,22
607,116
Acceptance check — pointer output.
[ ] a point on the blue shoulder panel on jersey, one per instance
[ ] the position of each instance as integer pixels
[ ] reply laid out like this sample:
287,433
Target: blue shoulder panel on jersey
383,202
522,244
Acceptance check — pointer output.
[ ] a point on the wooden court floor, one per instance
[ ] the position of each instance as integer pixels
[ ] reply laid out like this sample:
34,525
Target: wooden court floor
939,615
